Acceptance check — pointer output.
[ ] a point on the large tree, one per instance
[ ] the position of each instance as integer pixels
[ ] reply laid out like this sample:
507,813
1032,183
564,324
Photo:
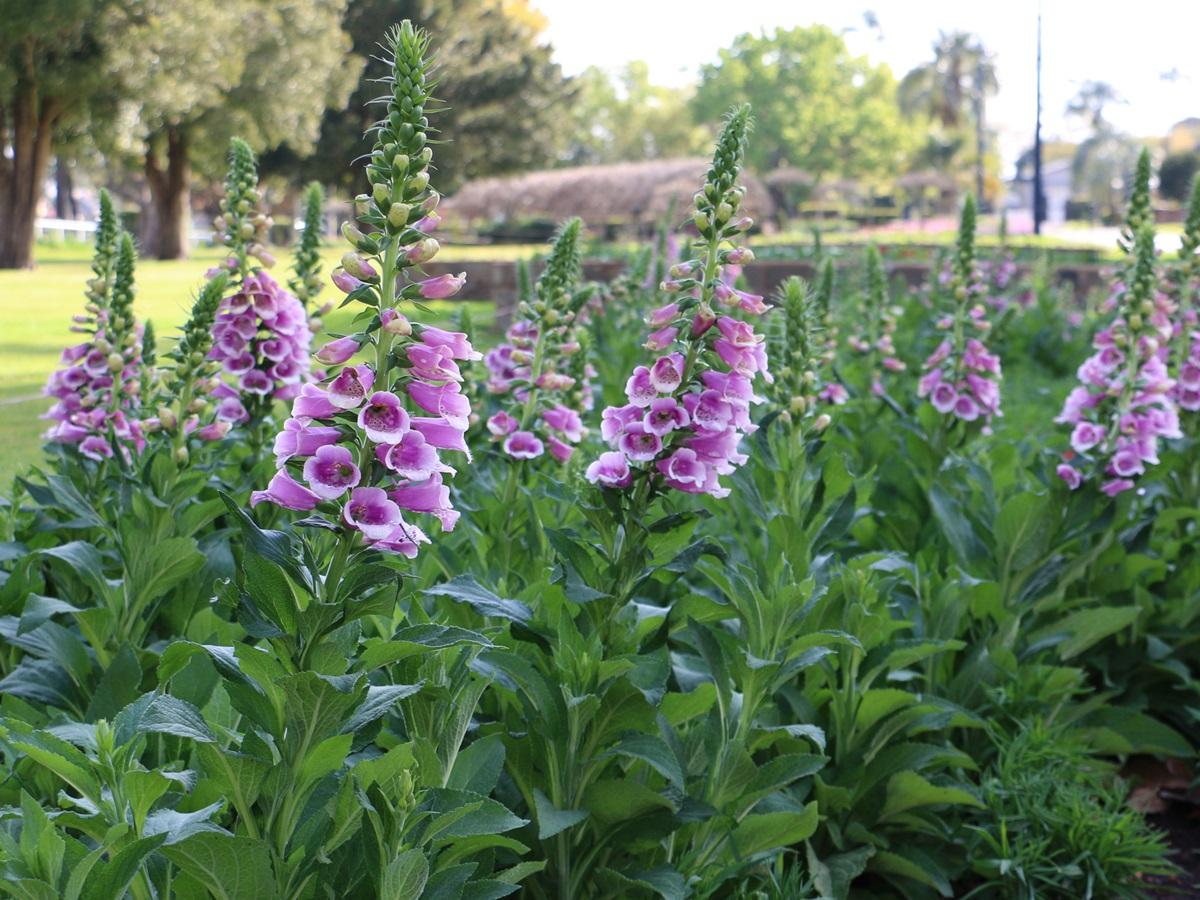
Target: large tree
506,102
949,94
49,76
628,118
197,73
816,106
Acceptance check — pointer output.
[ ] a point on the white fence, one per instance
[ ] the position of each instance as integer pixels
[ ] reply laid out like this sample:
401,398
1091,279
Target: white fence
83,229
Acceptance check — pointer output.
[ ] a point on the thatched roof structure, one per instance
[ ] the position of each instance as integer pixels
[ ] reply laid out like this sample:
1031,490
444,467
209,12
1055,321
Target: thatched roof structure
635,194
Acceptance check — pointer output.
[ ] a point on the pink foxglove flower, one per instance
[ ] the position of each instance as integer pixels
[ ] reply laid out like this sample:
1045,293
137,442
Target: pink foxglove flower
541,373
961,378
369,439
688,410
1125,403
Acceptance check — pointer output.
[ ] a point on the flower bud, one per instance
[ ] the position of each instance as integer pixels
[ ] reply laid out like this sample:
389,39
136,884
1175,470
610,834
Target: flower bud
381,194
181,455
394,323
167,418
351,232
422,251
741,224
400,164
344,281
419,182
116,362
398,214
821,422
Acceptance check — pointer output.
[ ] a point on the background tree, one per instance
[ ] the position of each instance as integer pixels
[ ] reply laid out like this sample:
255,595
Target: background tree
49,60
816,107
1104,162
194,74
1175,175
508,102
949,94
628,118
1090,103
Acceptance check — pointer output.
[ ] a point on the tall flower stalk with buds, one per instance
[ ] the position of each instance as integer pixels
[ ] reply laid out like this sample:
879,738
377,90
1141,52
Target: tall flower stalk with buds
961,378
537,369
798,348
363,449
1185,289
1123,405
689,409
306,280
261,335
97,392
874,339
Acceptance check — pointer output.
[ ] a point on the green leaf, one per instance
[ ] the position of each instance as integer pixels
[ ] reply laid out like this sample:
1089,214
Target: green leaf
761,832
317,707
911,863
654,752
161,714
110,879
552,820
415,640
119,685
48,751
465,589
908,790
680,708
1085,628
156,567
488,816
613,800
1023,531
39,609
957,528
404,877
176,826
379,699
231,867
477,768
82,559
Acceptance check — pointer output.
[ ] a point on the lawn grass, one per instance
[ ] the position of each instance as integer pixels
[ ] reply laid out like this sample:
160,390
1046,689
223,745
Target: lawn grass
35,318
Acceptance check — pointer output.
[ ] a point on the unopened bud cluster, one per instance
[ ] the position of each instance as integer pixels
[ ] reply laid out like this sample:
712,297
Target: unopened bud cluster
798,346
877,326
243,226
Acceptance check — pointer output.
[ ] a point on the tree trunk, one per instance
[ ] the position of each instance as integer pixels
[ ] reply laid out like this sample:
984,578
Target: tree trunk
64,190
28,129
170,198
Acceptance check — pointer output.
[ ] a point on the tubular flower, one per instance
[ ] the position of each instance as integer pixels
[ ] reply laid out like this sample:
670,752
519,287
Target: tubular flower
689,409
961,378
875,339
543,369
97,391
1123,405
363,448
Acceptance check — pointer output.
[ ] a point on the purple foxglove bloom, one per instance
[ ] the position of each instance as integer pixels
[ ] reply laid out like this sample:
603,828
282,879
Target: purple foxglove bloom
313,403
558,449
554,381
96,447
231,410
720,451
1115,486
944,397
638,444
928,382
966,408
335,352
442,434
413,458
1070,475
275,350
433,363
240,364
738,333
350,387
457,342
331,472
665,415
371,512
344,281
442,286
661,339
565,421
502,424
639,388
213,431
663,316
256,381
384,418
611,469
446,400
429,496
667,373
299,439
708,410
287,372
523,445
684,471
404,540
285,491
834,393
704,319
614,419
1086,436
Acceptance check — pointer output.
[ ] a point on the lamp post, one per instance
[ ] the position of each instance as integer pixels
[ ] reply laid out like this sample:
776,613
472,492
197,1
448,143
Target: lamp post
1039,197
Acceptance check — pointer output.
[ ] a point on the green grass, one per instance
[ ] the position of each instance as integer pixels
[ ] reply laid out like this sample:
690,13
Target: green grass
35,318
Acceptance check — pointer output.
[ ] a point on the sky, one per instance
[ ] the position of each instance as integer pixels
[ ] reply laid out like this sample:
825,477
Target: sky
1130,45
